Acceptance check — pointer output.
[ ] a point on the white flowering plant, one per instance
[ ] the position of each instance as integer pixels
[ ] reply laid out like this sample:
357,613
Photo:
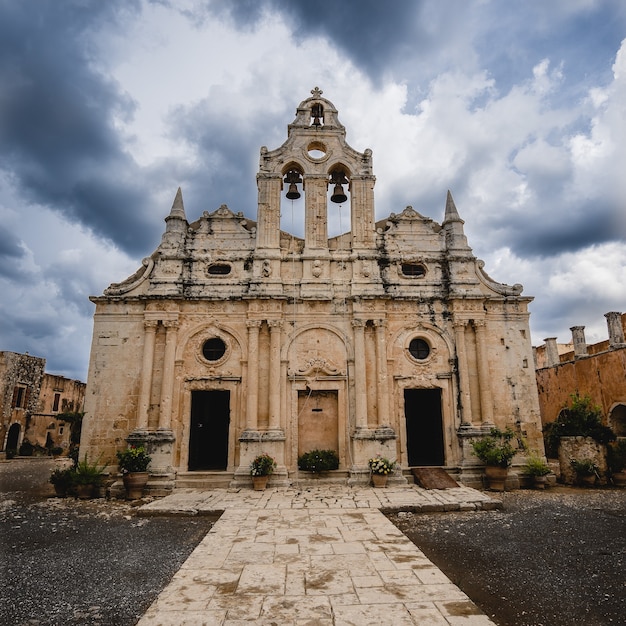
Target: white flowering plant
380,465
263,465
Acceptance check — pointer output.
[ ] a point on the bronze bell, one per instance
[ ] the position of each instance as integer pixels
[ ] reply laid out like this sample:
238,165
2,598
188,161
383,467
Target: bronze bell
339,197
292,192
293,177
338,179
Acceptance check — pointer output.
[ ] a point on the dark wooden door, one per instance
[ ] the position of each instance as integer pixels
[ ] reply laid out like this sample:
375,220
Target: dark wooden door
208,437
424,428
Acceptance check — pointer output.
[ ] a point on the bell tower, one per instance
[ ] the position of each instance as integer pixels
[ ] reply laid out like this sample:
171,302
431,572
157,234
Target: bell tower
314,160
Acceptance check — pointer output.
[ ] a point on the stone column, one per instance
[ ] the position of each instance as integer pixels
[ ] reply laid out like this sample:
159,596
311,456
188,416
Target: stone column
382,389
315,218
466,403
362,211
578,338
552,352
484,377
253,374
268,217
150,327
360,379
616,331
275,327
167,385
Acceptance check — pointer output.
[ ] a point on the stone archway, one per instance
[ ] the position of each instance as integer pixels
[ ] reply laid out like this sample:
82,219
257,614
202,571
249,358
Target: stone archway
13,437
617,419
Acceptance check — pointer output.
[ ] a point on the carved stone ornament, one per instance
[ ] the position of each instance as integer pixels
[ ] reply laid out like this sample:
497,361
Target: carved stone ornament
315,366
116,289
501,288
317,268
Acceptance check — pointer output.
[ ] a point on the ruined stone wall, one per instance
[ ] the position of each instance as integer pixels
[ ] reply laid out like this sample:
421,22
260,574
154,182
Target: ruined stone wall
24,372
597,371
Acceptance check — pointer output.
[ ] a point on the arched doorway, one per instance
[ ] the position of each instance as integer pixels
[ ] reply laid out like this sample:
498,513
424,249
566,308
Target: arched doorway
424,427
13,438
617,420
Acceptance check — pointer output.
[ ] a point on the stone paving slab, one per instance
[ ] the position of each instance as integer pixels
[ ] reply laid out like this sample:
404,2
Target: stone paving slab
406,497
314,557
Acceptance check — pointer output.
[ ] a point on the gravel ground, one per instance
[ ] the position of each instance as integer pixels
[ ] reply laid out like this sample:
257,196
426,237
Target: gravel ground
67,561
553,558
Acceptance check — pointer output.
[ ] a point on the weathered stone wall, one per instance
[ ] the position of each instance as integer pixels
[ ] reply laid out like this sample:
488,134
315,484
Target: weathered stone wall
599,373
580,449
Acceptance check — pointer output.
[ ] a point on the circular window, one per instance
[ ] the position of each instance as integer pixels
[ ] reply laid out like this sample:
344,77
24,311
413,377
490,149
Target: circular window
213,349
316,150
419,349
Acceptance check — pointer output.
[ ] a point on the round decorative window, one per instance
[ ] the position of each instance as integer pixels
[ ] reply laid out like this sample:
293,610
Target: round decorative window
213,349
419,349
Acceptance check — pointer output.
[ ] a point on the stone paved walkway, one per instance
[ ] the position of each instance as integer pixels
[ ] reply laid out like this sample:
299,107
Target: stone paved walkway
312,556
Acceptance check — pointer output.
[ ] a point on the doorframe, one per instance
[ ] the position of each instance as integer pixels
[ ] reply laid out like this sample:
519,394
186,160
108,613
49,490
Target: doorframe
334,383
450,451
231,384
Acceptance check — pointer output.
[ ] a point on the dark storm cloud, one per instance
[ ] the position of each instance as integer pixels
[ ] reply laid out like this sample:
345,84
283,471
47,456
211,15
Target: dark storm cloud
372,33
9,246
57,138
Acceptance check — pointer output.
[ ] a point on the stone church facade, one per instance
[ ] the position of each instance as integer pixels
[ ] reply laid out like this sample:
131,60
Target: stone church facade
236,337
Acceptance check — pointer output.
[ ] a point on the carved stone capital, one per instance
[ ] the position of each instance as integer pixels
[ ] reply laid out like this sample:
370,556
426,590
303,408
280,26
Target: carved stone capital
254,323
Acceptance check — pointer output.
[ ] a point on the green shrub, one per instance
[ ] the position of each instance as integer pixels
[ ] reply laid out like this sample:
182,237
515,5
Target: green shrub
27,448
495,449
536,466
616,456
133,459
580,419
87,473
584,467
318,461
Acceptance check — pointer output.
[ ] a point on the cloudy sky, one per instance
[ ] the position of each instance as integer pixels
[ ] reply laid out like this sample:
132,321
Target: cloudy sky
519,108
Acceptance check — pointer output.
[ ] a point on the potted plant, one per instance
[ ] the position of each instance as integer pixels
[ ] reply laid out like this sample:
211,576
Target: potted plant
586,471
87,477
63,481
380,469
133,463
616,461
260,469
496,451
318,461
538,469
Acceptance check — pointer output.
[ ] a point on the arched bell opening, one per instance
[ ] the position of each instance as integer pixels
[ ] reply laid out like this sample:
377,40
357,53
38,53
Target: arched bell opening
292,200
317,114
338,201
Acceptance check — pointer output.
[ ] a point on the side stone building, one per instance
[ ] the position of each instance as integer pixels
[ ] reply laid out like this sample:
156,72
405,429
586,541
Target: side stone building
597,371
30,400
235,337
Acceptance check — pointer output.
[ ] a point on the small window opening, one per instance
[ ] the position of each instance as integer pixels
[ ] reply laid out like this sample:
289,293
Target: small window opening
219,269
413,269
419,349
19,397
213,349
55,403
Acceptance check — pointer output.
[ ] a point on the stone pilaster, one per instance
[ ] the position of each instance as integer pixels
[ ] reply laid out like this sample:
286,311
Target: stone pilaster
382,387
167,385
552,352
316,219
275,327
484,377
360,379
150,328
466,402
252,405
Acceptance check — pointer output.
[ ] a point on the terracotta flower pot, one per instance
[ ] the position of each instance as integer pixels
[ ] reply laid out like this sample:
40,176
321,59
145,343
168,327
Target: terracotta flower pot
619,479
379,480
540,482
134,483
496,477
259,482
84,492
